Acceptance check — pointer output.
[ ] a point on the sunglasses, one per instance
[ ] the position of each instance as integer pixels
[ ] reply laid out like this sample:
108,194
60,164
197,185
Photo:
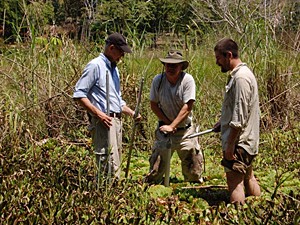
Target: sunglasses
172,65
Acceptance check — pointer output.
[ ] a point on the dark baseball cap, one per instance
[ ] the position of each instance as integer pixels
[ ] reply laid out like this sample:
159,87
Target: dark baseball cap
118,40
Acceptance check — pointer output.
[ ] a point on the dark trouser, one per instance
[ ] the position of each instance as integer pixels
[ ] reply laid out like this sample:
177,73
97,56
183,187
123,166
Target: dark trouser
242,162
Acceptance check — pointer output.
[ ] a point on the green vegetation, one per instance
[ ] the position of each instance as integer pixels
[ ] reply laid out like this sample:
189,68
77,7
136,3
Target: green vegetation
47,168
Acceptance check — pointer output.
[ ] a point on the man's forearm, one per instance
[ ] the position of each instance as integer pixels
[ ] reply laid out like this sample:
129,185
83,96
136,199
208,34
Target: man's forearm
127,110
231,142
183,114
85,102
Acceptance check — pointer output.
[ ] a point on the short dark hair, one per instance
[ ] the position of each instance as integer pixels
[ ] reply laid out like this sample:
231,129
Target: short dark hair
226,45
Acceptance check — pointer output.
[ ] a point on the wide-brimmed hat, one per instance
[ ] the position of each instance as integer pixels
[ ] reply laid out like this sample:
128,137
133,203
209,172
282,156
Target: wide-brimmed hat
174,57
119,41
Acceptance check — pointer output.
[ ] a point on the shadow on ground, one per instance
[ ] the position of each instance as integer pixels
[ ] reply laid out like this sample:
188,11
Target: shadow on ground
213,195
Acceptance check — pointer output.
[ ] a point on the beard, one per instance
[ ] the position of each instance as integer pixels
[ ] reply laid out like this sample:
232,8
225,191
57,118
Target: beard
224,69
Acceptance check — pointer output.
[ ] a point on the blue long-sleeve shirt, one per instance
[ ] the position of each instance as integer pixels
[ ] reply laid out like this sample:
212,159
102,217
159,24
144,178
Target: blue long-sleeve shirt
92,84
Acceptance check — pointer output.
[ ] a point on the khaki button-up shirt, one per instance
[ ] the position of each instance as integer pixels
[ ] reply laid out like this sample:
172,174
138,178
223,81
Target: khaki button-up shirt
240,109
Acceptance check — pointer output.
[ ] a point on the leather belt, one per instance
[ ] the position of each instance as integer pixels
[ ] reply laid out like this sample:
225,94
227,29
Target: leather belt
116,115
184,128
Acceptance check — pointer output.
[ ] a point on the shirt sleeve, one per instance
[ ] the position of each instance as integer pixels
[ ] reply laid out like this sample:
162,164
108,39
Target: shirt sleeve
189,89
241,109
87,80
154,88
122,102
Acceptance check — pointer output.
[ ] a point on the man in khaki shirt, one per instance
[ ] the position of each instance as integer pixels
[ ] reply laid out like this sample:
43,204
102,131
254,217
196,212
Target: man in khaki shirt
239,123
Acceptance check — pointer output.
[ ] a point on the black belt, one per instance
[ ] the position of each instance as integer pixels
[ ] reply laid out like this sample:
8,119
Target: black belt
161,123
184,128
117,115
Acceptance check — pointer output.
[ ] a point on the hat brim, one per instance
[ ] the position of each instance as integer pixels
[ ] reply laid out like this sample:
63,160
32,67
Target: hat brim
126,48
175,61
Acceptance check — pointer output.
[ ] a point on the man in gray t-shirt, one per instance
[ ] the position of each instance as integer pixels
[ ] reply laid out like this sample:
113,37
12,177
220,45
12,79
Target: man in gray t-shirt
172,96
239,123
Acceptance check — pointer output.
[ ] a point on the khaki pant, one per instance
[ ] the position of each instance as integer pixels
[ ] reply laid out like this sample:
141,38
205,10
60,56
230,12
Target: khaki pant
100,141
188,151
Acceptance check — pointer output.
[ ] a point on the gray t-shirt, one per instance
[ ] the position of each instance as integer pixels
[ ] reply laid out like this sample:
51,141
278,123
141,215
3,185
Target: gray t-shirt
240,109
171,98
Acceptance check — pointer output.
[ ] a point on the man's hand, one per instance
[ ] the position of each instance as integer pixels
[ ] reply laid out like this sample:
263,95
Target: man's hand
105,119
217,127
167,129
86,103
231,144
138,118
229,153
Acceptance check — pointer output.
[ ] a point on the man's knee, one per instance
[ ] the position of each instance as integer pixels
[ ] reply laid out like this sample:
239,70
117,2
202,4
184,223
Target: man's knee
156,169
197,164
252,187
192,167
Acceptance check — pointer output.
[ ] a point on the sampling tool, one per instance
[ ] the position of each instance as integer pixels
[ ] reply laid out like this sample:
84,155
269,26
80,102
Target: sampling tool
167,173
108,149
136,113
200,133
168,163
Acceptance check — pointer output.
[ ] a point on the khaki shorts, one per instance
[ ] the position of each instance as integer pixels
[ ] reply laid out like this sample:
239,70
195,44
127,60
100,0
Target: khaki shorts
241,164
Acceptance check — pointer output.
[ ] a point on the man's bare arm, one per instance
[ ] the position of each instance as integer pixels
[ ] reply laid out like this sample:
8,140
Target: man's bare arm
182,115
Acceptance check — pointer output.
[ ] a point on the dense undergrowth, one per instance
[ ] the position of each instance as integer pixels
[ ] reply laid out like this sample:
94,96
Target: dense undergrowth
54,183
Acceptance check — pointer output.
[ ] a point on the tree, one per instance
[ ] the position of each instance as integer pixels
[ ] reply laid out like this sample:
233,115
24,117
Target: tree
11,17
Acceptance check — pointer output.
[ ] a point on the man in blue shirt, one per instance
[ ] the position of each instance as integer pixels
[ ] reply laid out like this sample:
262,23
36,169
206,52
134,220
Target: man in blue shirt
91,93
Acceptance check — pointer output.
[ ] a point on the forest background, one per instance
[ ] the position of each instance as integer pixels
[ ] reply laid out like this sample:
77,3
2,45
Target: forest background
47,170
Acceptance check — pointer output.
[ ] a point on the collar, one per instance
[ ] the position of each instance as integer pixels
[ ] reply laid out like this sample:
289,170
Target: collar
233,72
108,63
